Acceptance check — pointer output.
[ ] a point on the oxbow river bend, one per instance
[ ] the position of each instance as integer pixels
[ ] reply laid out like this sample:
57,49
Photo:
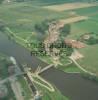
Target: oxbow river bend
71,85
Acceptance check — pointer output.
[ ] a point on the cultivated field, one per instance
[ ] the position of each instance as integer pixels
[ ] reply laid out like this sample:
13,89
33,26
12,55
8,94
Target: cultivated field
21,17
72,20
69,6
86,11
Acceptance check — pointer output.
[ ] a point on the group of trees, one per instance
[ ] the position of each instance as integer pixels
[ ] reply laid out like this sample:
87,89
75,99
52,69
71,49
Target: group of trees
93,38
42,29
40,32
65,30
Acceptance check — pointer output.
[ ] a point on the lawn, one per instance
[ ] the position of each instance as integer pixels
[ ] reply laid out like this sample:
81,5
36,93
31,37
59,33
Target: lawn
90,60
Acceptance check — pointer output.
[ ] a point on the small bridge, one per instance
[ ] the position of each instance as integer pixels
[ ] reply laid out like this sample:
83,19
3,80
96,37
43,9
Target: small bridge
40,70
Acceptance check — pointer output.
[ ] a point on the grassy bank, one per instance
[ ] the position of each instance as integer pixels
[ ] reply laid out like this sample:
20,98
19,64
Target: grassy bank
27,93
46,95
71,68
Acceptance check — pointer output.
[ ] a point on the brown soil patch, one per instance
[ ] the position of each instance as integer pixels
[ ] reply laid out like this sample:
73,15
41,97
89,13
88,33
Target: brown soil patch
69,6
76,55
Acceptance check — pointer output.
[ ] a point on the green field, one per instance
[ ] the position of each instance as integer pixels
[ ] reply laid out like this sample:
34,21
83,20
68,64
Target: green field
79,28
86,11
89,62
21,17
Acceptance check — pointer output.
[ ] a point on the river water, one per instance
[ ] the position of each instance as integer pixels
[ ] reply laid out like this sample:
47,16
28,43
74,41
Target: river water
72,85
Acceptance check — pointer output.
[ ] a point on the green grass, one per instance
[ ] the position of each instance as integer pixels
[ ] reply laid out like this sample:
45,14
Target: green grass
26,90
46,59
90,60
64,60
70,68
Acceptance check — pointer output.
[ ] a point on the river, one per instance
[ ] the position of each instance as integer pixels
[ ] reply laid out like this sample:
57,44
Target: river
72,85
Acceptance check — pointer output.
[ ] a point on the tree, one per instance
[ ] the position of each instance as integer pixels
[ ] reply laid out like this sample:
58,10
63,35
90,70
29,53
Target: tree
41,29
65,30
